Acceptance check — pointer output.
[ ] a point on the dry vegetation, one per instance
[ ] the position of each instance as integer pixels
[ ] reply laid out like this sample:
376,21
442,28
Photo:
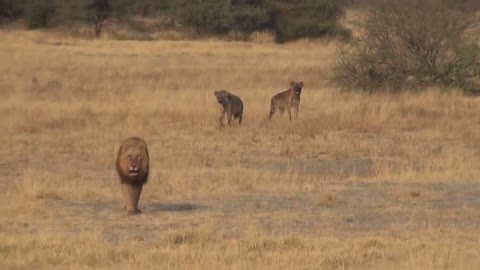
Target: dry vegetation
359,182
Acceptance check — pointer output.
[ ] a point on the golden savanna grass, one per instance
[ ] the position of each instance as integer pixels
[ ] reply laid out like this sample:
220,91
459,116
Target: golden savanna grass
386,181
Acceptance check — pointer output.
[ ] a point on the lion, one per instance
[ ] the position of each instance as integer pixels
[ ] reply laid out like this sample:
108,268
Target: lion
286,100
230,105
132,166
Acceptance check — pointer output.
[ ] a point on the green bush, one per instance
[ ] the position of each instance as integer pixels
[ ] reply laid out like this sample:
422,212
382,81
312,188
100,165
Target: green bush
207,16
411,43
97,13
252,16
288,19
11,8
150,7
306,18
38,13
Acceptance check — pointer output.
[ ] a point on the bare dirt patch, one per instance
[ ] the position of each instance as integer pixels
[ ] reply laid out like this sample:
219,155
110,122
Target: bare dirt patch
352,210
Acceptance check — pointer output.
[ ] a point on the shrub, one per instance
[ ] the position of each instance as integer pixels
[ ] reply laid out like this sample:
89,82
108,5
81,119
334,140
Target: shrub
411,43
11,8
306,18
93,12
150,7
289,19
251,16
97,12
207,16
38,13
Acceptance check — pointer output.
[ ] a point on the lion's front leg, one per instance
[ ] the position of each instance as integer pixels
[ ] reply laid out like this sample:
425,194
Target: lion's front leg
131,196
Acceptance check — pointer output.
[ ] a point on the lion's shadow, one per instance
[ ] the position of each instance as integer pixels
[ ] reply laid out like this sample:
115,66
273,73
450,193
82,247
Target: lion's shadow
174,207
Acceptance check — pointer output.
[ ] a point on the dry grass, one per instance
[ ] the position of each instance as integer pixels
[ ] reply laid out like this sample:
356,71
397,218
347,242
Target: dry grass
256,249
278,194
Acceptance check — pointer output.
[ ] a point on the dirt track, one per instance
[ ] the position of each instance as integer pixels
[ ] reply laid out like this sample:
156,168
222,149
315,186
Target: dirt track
344,210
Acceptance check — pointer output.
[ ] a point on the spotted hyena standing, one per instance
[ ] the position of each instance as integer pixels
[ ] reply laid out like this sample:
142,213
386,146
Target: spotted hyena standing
286,100
230,105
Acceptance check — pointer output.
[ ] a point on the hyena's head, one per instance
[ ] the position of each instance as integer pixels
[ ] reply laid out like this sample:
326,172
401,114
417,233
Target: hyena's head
222,96
296,87
34,80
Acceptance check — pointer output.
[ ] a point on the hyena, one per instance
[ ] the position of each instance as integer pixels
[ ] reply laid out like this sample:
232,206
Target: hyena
230,105
286,100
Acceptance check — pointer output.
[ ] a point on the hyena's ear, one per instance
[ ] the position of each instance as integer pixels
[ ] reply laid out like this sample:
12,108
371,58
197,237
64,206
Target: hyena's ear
146,152
292,83
215,93
300,84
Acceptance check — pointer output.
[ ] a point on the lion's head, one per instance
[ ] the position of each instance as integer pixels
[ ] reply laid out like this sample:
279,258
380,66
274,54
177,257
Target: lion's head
133,161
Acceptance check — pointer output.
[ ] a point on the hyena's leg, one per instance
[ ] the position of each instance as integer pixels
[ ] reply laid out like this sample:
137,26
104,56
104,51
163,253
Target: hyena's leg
289,114
272,109
296,112
239,119
222,116
230,116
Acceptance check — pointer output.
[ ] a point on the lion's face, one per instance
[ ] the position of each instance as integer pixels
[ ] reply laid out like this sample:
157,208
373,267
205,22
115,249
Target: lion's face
133,161
221,96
